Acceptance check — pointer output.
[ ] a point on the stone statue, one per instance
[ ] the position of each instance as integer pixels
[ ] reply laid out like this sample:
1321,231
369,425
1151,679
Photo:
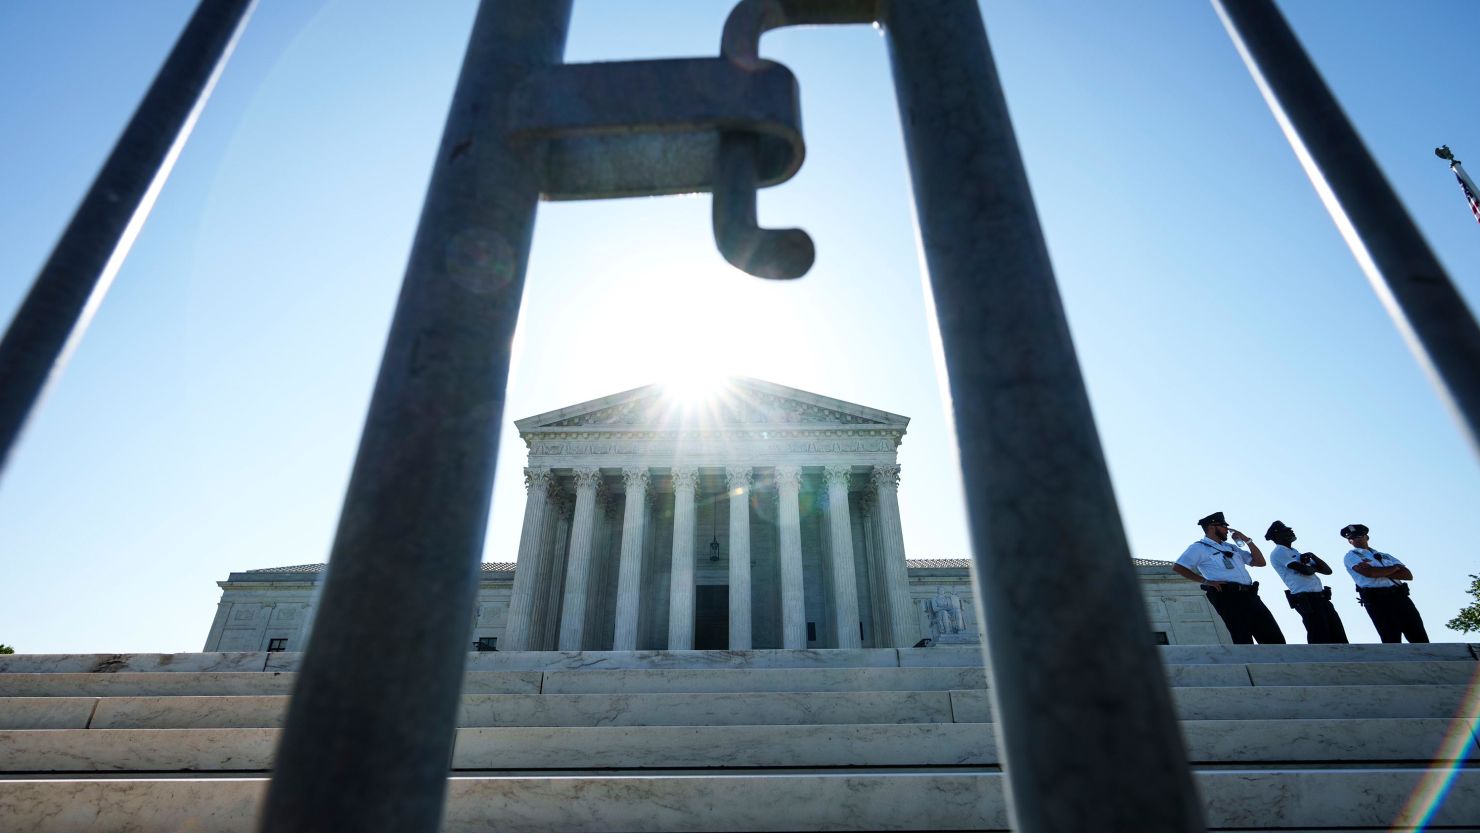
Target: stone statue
945,612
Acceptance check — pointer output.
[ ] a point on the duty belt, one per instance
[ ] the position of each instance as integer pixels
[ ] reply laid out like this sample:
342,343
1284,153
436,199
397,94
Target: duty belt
1323,592
1293,598
1383,591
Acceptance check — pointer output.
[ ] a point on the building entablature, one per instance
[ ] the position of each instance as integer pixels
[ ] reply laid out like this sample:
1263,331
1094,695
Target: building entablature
713,448
752,422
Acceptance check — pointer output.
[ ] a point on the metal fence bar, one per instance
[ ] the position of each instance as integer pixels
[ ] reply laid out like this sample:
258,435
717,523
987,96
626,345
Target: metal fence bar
1085,721
1418,294
369,734
92,248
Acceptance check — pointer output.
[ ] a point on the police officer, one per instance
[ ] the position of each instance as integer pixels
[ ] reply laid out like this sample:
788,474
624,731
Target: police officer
1379,578
1306,593
1220,568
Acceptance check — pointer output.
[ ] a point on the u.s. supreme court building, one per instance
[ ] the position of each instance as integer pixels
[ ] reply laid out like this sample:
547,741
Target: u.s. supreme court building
763,517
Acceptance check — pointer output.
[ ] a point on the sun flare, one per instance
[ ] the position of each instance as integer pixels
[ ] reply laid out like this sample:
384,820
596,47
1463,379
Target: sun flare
694,386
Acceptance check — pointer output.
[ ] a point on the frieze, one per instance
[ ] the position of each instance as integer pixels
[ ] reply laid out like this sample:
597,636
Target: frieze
640,445
766,433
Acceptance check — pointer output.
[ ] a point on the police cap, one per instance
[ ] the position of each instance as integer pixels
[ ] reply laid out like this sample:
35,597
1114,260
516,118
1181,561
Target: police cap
1215,518
1353,529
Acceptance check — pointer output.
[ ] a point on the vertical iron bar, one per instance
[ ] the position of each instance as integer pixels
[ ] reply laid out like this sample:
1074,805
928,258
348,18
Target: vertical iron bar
369,734
92,248
1087,732
1424,304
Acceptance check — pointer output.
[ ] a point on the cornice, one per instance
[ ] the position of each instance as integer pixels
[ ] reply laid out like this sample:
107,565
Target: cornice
749,433
757,429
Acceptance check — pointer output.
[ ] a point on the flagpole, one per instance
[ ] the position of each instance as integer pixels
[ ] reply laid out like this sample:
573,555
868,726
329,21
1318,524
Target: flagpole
1423,302
1459,171
1472,194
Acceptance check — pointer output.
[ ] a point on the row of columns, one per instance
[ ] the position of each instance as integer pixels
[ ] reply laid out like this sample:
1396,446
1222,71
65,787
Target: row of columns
552,577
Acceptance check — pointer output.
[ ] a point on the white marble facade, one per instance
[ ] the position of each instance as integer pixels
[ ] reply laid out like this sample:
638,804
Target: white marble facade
762,517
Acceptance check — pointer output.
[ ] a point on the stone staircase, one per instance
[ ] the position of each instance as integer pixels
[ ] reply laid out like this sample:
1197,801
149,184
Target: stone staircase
1290,738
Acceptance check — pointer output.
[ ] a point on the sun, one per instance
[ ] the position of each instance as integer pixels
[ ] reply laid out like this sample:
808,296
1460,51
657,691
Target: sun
694,386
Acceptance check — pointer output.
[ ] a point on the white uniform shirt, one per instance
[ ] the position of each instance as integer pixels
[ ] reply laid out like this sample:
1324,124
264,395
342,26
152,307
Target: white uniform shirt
1206,558
1280,558
1369,557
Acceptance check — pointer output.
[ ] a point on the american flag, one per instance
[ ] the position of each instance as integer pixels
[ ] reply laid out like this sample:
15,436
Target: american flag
1469,188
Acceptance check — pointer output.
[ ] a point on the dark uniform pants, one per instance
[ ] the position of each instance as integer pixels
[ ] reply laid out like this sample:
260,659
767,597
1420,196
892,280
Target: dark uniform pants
1246,616
1393,614
1322,625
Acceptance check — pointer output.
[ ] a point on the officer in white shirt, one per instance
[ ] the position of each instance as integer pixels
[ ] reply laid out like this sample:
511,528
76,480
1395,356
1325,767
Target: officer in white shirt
1220,567
1379,578
1306,594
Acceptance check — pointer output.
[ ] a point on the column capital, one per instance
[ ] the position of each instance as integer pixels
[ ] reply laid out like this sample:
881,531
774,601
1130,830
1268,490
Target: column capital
886,476
789,477
635,477
587,478
535,479
838,475
686,478
738,477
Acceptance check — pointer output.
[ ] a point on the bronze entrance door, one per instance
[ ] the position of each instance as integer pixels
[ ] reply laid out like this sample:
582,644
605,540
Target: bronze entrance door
712,617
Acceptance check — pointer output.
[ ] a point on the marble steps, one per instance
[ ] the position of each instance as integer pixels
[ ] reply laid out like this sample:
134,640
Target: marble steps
941,656
947,655
1285,799
651,681
1283,737
1324,743
941,678
1285,702
735,708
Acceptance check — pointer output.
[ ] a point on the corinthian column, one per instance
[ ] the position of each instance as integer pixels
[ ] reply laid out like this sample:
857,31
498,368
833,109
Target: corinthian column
578,568
891,558
602,595
844,579
737,480
629,570
793,601
555,576
681,579
878,600
527,567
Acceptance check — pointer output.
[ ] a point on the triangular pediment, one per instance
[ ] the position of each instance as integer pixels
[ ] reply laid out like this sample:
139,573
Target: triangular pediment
740,402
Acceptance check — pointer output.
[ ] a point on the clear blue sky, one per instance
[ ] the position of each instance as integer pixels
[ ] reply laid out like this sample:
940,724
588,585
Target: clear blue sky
1235,355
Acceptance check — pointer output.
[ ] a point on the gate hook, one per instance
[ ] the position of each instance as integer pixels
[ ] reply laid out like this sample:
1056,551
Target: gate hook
778,254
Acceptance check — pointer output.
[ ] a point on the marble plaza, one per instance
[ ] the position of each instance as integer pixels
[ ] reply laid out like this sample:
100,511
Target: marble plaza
759,517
